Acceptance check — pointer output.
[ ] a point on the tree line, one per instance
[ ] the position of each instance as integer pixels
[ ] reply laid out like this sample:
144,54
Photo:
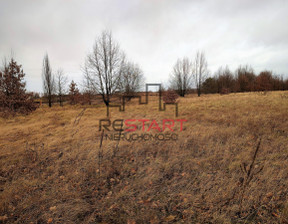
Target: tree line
107,71
244,79
194,75
187,72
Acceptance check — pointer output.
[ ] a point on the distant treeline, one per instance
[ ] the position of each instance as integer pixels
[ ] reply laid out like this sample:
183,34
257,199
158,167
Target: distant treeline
108,75
243,79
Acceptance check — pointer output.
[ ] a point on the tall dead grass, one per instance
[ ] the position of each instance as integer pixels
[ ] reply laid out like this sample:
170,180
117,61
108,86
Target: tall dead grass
50,170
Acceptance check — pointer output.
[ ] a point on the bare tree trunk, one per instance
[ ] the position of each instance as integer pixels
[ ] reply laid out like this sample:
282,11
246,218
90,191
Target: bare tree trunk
61,80
50,100
200,70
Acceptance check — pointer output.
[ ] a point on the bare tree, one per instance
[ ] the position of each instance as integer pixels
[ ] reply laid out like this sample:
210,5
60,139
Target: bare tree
225,80
131,78
200,70
103,66
88,90
48,79
181,76
61,80
245,78
264,81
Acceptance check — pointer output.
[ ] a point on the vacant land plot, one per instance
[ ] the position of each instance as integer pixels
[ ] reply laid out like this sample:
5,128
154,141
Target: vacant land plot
52,169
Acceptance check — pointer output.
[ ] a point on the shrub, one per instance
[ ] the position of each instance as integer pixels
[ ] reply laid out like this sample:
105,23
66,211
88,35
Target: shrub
74,94
13,96
170,96
225,91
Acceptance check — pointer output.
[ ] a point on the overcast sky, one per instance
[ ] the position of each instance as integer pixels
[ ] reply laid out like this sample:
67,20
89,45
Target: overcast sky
153,33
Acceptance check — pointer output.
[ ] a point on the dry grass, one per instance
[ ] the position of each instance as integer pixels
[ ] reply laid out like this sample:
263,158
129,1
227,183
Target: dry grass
49,165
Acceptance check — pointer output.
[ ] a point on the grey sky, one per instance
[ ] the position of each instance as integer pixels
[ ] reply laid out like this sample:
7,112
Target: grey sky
153,33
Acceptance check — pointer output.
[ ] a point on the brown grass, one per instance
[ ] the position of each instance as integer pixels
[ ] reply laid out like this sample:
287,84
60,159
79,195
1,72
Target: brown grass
49,165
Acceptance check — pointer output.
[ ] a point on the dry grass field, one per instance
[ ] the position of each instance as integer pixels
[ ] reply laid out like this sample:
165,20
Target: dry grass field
52,169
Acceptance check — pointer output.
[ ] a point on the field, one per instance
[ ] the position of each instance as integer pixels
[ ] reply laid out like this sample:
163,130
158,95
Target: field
53,170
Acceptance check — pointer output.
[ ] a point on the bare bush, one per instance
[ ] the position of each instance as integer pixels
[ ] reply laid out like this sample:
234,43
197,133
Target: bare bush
88,91
170,96
225,91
